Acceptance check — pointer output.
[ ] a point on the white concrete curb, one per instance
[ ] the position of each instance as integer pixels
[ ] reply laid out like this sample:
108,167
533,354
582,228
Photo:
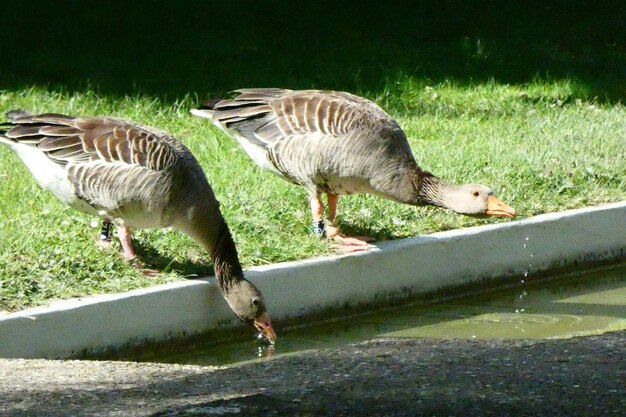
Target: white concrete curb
395,269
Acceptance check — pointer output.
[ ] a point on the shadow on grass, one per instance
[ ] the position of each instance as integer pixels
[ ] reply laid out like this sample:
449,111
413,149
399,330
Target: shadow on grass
171,49
379,234
153,258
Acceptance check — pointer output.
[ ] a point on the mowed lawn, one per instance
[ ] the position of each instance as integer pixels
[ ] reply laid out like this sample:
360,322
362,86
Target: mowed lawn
532,107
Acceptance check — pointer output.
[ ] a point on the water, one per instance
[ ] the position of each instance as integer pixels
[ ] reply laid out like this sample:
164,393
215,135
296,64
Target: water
569,305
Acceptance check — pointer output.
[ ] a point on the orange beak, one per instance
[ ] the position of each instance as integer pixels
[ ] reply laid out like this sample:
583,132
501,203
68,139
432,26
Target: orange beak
496,207
263,325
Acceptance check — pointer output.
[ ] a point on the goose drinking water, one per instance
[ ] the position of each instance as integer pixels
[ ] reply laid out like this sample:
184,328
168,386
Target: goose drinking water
136,177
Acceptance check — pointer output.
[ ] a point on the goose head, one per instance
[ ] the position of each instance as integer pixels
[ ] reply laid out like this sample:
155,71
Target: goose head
474,199
248,304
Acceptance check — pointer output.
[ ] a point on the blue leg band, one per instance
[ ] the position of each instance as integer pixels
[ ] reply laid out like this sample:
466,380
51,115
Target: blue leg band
105,232
318,228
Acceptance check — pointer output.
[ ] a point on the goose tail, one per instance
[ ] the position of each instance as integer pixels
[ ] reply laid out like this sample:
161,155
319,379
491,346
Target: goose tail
6,126
206,110
17,114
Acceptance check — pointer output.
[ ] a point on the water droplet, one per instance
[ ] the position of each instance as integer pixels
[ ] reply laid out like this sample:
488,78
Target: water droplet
532,255
525,246
522,281
527,238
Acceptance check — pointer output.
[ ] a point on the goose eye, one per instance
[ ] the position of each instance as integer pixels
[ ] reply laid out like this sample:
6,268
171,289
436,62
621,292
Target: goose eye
476,193
255,301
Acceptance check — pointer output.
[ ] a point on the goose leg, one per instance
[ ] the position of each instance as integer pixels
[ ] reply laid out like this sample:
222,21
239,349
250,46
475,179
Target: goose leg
125,236
128,252
317,211
346,244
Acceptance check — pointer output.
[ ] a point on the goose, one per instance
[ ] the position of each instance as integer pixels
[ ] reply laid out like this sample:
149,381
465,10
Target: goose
136,177
336,143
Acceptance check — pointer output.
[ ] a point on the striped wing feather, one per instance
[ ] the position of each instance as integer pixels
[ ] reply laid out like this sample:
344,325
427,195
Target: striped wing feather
324,140
66,139
265,116
111,162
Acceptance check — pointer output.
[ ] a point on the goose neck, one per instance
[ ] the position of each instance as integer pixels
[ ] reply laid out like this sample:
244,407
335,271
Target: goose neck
223,253
433,190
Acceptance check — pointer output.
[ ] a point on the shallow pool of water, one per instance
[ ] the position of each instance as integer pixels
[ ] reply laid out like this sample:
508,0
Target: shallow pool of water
569,305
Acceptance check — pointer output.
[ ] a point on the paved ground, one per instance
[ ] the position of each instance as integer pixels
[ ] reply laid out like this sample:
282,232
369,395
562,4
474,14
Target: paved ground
576,377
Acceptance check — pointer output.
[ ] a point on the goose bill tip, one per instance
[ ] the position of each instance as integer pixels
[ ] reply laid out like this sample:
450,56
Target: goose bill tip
495,207
265,328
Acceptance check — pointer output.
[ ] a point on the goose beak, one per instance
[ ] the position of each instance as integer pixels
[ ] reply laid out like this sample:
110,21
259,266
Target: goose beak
264,326
496,207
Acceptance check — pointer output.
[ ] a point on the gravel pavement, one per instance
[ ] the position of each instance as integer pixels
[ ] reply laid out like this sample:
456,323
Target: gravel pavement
392,377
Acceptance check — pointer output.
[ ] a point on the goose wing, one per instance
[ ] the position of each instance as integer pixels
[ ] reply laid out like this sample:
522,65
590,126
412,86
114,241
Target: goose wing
264,116
109,161
66,139
306,136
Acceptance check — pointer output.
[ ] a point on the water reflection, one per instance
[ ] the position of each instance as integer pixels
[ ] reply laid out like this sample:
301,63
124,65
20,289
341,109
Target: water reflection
570,305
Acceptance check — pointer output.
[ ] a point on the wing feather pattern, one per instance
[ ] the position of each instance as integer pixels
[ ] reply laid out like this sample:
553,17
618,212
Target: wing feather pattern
265,116
109,161
323,140
66,140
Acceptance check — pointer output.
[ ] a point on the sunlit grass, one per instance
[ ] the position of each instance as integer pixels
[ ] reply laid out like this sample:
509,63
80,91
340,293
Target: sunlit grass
541,148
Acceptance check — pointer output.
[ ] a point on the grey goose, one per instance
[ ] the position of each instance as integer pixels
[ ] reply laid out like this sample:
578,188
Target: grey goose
136,177
337,143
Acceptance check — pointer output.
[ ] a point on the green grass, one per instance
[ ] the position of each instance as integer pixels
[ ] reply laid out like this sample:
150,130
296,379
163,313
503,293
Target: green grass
532,109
